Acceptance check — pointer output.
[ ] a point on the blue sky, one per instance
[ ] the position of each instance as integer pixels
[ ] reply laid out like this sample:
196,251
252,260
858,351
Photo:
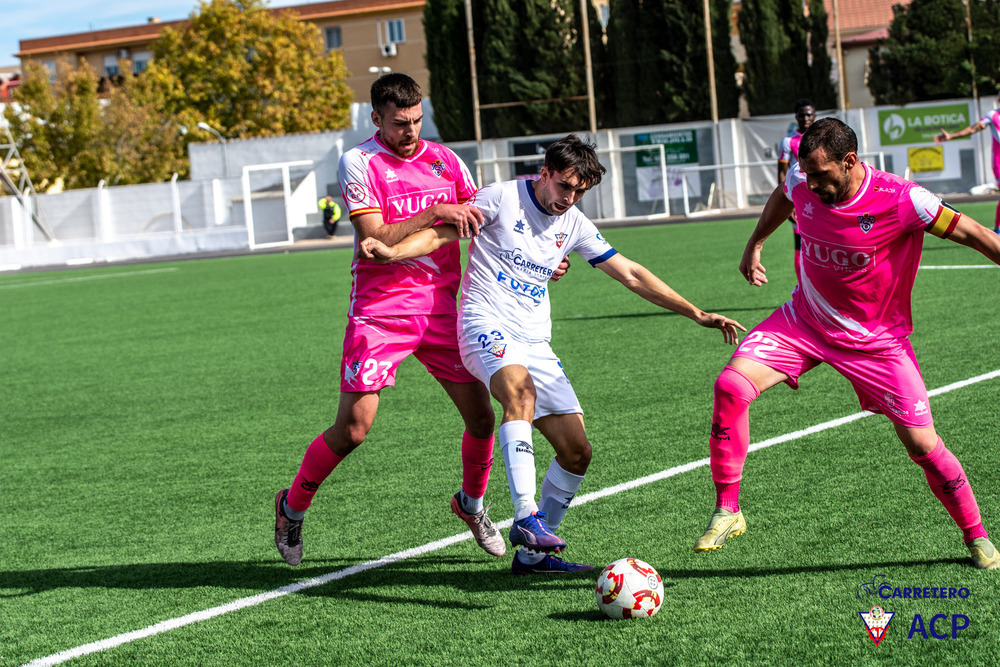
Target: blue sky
29,19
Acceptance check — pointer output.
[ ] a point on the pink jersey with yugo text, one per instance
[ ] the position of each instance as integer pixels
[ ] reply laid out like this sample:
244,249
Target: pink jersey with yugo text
373,179
860,258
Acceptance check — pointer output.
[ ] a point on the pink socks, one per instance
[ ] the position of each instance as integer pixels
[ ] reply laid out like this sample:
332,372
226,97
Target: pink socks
317,464
730,434
477,459
947,480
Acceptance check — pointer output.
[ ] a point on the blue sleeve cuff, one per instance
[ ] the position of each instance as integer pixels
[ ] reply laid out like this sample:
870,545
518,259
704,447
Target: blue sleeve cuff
603,258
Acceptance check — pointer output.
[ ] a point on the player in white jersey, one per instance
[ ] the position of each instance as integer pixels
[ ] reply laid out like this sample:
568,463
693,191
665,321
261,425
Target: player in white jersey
528,227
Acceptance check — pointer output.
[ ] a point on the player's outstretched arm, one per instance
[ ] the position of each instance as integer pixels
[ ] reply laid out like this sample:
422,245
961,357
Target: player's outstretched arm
964,132
970,233
643,282
417,244
776,210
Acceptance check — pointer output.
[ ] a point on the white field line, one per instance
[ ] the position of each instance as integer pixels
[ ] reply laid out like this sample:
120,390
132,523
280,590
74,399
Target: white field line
173,624
78,279
959,266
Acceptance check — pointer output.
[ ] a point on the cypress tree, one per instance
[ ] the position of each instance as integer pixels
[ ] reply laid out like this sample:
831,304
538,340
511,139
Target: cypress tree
926,55
448,63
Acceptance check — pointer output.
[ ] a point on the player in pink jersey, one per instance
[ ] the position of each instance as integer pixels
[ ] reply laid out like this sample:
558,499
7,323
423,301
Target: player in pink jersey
991,121
788,157
862,232
394,184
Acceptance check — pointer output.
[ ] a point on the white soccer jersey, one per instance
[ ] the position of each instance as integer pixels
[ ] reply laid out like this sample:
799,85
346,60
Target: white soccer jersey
519,246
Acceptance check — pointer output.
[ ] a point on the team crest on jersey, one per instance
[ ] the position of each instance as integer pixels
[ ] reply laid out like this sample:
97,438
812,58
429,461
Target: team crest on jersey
498,350
866,221
437,168
560,239
356,193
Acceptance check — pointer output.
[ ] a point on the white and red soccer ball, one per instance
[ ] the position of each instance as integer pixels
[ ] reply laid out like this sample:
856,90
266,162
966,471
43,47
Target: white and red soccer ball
629,588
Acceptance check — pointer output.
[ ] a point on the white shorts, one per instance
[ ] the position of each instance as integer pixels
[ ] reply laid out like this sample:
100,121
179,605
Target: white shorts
486,348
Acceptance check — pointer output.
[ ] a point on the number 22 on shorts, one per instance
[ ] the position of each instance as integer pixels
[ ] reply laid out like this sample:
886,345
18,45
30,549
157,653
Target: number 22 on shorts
759,343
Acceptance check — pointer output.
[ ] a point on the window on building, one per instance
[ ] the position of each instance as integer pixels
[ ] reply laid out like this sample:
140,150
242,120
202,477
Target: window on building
333,38
394,31
51,66
140,61
111,65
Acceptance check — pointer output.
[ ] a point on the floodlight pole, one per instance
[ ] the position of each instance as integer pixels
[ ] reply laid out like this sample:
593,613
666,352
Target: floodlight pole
591,105
841,70
225,150
477,124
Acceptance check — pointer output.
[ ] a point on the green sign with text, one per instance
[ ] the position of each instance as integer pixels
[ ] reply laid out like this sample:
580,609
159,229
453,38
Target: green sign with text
679,147
918,125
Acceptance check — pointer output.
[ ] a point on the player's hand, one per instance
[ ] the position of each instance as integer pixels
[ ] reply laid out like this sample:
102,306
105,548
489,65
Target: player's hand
373,249
561,269
466,219
751,268
730,328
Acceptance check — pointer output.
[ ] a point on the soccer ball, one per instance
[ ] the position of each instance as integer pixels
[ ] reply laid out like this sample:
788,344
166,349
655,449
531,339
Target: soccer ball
629,588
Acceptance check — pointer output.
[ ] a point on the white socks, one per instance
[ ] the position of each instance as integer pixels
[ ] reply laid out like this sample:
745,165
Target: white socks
519,460
558,489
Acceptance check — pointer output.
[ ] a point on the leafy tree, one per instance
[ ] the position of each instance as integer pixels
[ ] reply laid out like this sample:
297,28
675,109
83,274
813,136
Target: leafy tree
926,55
242,69
777,67
985,16
59,126
250,72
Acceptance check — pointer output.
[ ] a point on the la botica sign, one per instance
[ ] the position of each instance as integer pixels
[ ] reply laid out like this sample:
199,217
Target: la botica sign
918,125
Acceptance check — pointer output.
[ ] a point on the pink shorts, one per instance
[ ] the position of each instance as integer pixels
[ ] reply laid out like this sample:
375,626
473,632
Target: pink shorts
375,346
887,381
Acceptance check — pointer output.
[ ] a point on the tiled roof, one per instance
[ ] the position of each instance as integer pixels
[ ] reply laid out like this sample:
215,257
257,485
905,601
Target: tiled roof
861,16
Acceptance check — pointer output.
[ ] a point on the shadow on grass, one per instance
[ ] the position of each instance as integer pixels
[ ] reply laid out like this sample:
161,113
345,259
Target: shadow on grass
469,574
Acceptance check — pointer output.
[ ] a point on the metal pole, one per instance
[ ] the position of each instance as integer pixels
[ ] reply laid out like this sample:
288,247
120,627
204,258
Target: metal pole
975,88
711,64
475,88
591,106
841,70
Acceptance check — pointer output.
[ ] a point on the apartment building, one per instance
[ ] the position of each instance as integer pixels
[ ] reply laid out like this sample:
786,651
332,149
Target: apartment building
375,36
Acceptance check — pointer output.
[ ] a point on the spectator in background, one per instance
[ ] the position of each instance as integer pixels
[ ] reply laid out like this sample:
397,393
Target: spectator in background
331,214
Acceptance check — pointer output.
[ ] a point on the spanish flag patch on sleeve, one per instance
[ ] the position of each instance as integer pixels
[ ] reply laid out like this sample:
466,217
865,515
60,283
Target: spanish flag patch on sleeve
944,222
